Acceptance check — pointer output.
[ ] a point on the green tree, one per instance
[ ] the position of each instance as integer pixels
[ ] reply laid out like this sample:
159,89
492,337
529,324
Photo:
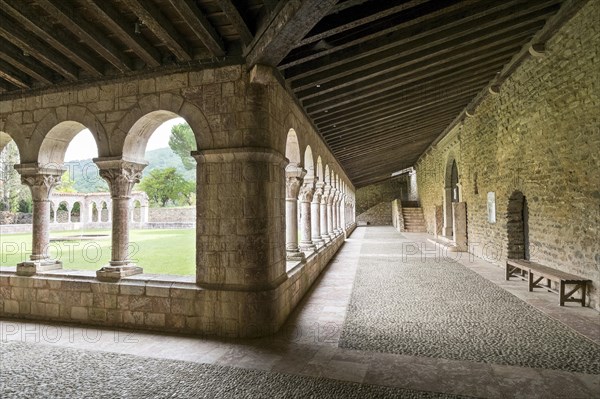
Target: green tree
14,196
182,142
164,185
66,184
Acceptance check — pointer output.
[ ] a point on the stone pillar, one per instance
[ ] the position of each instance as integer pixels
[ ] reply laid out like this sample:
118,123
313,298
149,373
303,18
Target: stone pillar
315,215
69,208
306,196
448,212
294,176
144,213
121,176
459,210
40,181
240,218
325,213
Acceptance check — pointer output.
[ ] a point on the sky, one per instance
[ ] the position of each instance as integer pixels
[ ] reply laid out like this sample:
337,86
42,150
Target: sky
83,146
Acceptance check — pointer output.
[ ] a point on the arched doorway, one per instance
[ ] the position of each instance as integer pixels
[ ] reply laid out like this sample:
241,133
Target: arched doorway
517,226
451,195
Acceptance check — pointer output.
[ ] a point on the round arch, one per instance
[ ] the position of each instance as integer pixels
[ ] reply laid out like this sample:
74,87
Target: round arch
319,171
54,145
292,148
153,110
309,163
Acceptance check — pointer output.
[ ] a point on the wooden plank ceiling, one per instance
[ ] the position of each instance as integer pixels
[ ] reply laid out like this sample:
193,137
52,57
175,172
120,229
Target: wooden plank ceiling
380,79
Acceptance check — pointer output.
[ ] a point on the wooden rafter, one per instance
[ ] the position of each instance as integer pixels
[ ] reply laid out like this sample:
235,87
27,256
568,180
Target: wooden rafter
13,76
234,16
200,25
289,24
156,21
15,57
87,32
54,37
113,20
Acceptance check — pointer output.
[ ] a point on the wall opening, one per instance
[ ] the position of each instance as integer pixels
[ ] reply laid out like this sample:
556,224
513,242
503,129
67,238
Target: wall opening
517,226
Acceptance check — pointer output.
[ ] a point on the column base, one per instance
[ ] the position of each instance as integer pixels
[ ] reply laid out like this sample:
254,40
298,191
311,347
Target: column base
326,239
319,242
295,256
29,268
307,246
115,273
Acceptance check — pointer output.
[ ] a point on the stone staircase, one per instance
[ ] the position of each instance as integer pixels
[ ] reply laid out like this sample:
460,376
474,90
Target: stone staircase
413,219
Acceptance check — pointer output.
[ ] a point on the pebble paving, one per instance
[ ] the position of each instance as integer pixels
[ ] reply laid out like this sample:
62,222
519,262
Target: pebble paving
439,308
42,371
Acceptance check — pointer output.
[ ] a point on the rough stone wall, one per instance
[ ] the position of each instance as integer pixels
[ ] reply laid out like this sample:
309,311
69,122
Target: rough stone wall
386,191
185,214
379,215
539,136
7,217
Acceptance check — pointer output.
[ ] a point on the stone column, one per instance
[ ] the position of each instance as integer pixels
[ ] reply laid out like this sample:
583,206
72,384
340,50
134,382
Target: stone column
325,214
306,196
338,217
40,181
69,208
121,176
294,176
330,214
315,215
240,217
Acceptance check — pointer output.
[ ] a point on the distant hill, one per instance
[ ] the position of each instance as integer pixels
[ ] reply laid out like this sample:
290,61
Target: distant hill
87,180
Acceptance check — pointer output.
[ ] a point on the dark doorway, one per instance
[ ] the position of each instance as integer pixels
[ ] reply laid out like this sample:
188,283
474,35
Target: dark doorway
517,226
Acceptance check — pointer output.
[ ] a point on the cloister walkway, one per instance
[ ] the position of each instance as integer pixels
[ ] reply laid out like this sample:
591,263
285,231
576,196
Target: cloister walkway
389,313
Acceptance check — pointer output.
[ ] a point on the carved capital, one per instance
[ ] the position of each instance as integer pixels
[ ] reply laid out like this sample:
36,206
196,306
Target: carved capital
307,190
318,192
120,176
294,177
41,185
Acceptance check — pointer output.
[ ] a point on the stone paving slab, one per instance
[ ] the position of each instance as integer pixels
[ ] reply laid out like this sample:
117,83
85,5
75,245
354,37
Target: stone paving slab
42,371
439,308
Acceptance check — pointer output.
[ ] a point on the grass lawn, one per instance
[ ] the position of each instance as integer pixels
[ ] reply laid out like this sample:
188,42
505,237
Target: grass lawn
157,251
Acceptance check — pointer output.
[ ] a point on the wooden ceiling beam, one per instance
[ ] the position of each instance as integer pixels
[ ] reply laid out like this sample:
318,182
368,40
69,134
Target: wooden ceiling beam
14,76
343,21
378,38
114,20
154,19
378,86
426,58
54,37
441,83
422,46
38,49
14,56
88,33
291,21
236,19
200,25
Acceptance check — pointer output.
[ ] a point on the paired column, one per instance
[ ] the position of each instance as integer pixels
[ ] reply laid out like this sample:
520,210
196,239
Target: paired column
306,197
330,213
121,176
315,215
325,213
294,176
40,181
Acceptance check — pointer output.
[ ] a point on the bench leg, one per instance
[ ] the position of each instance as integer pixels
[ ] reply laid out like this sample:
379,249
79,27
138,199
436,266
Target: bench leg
562,293
583,287
549,284
530,281
507,272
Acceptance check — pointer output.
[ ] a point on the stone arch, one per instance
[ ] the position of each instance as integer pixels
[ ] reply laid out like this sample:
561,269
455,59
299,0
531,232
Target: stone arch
309,163
451,193
57,128
5,138
136,210
292,148
327,176
62,211
319,170
153,110
103,214
517,226
76,211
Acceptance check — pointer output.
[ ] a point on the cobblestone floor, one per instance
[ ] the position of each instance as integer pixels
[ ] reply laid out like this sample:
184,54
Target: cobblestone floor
28,371
305,351
436,307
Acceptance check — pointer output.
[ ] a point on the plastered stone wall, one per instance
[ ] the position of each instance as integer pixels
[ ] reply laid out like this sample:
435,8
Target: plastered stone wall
171,215
379,215
540,136
386,191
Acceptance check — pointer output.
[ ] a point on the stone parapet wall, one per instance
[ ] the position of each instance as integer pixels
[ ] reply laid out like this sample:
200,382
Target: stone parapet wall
7,218
152,302
397,215
539,136
379,215
171,215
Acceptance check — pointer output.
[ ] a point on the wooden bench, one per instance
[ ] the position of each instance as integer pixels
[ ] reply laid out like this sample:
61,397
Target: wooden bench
534,273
